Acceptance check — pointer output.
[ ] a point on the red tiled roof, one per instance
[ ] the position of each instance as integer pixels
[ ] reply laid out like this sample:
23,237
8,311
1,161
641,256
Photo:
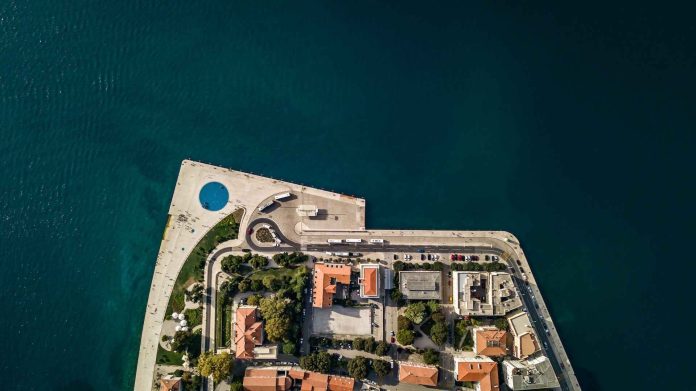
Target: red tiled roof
418,374
247,332
483,372
491,342
265,380
370,280
324,287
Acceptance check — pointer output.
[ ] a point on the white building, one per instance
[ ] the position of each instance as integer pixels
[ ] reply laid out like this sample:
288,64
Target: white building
534,374
484,293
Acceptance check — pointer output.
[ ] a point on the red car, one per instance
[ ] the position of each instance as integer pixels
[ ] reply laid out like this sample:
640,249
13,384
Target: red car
453,257
460,257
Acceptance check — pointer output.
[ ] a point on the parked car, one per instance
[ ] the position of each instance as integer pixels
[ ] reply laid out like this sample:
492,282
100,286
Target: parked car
474,258
453,257
396,256
460,257
487,258
430,257
422,257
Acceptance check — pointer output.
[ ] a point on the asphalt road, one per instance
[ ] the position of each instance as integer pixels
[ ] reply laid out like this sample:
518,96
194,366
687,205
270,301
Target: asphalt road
529,303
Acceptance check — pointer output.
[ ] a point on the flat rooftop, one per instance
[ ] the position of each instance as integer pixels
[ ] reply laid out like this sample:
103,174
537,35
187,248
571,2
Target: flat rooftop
484,293
421,285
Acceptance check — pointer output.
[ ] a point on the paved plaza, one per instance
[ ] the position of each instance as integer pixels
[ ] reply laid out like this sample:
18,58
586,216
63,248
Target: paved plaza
341,321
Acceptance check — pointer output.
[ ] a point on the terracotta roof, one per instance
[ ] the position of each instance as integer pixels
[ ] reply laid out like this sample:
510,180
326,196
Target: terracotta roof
173,384
528,345
314,381
265,380
491,342
369,280
418,374
326,276
483,372
247,332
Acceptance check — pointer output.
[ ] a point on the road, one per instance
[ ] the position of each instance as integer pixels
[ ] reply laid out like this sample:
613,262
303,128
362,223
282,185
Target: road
549,345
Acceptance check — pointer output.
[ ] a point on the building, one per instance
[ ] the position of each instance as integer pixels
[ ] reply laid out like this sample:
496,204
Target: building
484,293
248,332
327,276
524,340
489,341
266,379
171,384
480,370
531,374
369,281
307,211
424,375
314,381
421,285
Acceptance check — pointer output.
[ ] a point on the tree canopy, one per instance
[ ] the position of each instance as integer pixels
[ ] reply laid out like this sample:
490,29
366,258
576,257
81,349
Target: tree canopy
431,357
405,336
358,367
381,367
416,312
218,365
316,362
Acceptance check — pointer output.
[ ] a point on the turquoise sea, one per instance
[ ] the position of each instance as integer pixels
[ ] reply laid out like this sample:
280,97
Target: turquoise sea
568,124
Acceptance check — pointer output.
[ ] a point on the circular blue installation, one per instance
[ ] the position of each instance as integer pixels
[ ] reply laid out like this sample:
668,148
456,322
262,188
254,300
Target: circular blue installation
214,196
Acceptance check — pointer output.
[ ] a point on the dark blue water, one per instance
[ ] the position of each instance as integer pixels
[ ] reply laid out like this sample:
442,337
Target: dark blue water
571,126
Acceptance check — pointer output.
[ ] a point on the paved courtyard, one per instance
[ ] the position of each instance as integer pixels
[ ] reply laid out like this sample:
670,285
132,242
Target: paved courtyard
341,321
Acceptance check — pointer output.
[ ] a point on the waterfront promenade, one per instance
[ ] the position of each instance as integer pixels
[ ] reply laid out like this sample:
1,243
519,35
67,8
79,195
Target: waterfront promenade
344,215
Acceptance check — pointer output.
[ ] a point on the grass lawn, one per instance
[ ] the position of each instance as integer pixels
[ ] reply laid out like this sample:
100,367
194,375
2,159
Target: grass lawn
223,323
194,316
277,273
169,358
192,270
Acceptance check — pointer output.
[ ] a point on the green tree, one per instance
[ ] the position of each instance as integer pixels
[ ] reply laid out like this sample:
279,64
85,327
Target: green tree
316,362
243,286
236,386
289,347
231,264
431,357
439,266
433,306
358,367
404,323
359,344
382,348
438,316
405,336
256,285
398,266
218,365
381,367
438,333
183,340
254,299
278,318
271,283
370,345
195,294
416,312
502,324
258,261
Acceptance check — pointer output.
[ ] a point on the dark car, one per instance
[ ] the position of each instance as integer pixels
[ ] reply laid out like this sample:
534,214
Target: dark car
519,263
422,257
250,231
474,258
453,257
429,257
396,256
487,258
